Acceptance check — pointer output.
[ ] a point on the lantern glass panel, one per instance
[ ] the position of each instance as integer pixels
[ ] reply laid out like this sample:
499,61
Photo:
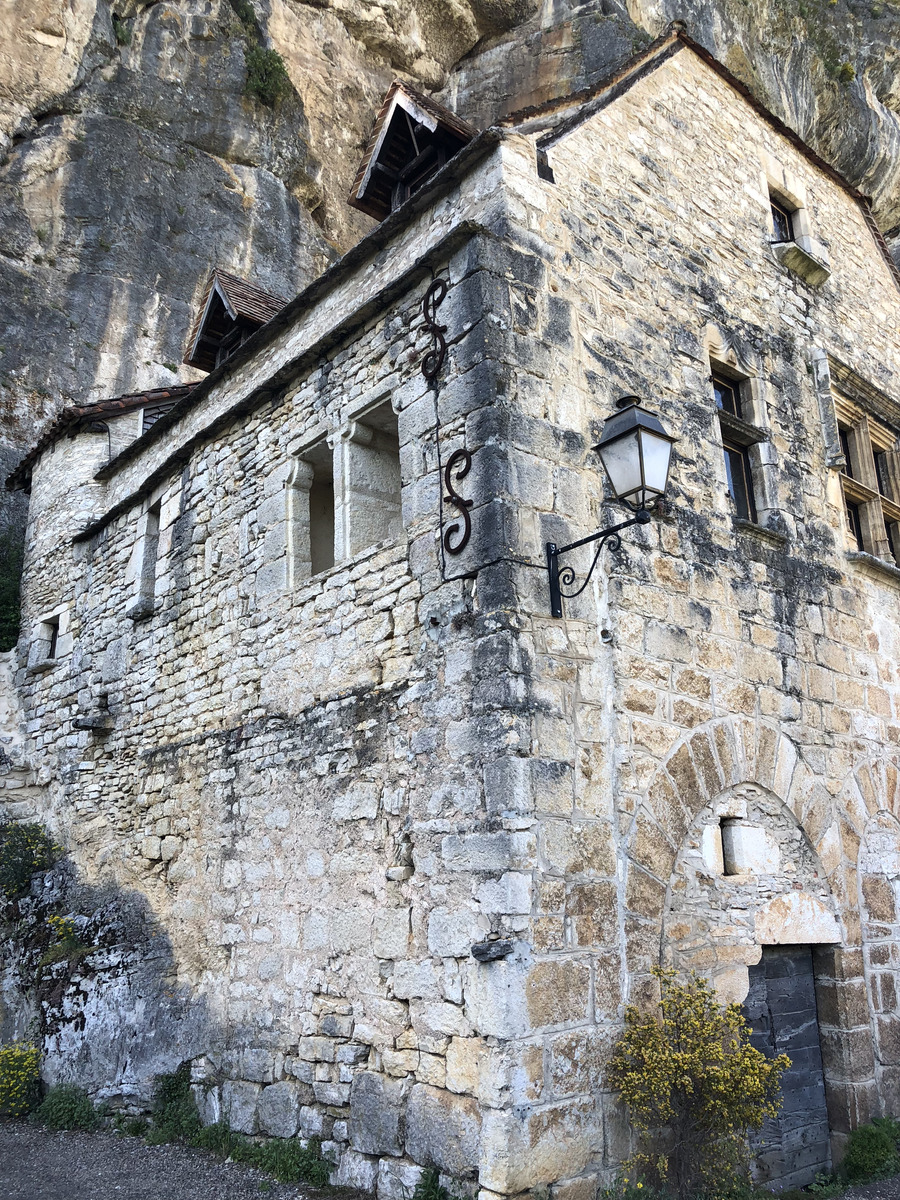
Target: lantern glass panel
657,452
622,462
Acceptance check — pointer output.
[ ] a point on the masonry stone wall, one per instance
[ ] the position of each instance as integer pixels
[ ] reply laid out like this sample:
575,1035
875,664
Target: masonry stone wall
330,789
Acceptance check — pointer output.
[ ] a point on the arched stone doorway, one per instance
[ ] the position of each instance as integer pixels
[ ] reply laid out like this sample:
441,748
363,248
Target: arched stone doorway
747,905
713,759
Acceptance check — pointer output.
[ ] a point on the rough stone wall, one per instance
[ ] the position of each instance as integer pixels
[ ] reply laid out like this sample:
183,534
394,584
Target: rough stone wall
293,776
708,654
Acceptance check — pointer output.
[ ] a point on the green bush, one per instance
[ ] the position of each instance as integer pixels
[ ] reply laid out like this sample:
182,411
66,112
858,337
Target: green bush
24,850
175,1116
871,1152
245,13
67,1106
20,1066
11,553
267,77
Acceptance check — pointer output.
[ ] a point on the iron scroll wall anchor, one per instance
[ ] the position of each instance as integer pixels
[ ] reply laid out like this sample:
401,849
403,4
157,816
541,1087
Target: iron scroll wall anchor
434,359
454,541
565,577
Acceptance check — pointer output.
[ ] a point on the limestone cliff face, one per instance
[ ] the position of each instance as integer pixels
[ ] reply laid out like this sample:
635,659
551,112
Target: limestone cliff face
829,68
133,161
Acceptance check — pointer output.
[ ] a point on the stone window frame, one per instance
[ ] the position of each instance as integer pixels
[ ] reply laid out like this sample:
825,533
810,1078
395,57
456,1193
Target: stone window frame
357,429
50,640
803,254
746,434
308,454
310,459
873,511
147,557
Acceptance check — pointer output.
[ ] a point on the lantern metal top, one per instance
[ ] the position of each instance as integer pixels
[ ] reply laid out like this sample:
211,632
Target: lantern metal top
631,415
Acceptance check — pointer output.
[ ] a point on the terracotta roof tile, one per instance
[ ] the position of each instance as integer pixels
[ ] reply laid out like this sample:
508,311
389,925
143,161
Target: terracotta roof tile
70,419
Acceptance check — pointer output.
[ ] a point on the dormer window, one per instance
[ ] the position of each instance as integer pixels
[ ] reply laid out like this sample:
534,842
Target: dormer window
230,313
413,138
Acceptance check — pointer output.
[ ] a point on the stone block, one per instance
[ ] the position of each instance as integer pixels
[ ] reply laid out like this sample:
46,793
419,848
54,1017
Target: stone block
376,1110
495,997
451,933
391,933
510,894
239,1105
557,992
578,1060
526,1150
357,1171
412,978
795,917
486,851
585,1187
279,1109
443,1130
580,848
507,786
397,1179
359,802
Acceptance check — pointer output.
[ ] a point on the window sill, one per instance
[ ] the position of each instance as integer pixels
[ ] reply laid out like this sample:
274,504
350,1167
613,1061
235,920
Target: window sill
42,665
760,532
141,611
808,266
872,565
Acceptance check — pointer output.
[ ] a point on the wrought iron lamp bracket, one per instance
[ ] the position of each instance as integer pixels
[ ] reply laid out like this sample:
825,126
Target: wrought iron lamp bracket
565,577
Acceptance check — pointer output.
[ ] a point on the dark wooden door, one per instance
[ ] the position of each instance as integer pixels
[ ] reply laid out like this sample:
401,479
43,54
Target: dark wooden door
781,1009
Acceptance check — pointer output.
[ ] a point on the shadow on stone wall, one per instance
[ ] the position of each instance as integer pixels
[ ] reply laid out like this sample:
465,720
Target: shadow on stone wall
103,1003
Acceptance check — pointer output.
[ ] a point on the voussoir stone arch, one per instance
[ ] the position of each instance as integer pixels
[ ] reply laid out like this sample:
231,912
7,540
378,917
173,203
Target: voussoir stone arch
712,759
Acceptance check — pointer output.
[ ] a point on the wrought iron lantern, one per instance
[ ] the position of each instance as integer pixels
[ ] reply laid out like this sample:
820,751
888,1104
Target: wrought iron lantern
635,451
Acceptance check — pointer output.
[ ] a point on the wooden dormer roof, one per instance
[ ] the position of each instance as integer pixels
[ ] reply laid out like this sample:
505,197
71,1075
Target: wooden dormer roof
413,137
227,301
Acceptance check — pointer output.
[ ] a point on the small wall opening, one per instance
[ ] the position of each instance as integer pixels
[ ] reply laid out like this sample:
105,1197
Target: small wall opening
311,514
367,482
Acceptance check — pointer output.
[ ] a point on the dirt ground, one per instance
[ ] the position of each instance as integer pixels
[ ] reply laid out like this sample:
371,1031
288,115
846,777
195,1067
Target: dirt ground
38,1164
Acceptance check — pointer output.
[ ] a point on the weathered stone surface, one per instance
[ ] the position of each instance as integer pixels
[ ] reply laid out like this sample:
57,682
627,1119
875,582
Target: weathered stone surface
376,1110
444,1130
279,1109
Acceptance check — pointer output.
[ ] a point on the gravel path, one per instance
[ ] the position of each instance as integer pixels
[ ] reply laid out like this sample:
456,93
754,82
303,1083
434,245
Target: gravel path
37,1164
884,1189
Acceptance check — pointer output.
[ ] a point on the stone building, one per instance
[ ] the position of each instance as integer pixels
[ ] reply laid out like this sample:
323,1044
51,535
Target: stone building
409,841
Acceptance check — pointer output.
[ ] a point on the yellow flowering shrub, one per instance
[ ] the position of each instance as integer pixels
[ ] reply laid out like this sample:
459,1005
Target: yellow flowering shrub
19,1077
694,1087
63,928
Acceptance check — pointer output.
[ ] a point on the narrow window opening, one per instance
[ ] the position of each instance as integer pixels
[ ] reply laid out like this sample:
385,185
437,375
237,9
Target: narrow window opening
52,631
728,395
729,858
740,481
321,524
782,219
544,170
854,523
151,553
844,435
311,514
